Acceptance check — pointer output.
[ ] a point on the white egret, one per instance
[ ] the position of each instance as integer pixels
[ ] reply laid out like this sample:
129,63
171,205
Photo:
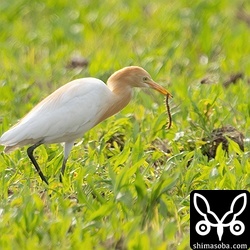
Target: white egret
73,109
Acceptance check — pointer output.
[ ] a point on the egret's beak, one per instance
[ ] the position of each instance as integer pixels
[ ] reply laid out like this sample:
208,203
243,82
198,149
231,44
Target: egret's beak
159,88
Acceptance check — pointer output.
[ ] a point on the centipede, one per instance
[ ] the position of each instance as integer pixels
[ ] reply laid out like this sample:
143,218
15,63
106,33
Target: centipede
169,122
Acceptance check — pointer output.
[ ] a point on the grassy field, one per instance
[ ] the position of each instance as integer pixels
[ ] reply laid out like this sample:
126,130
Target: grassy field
128,180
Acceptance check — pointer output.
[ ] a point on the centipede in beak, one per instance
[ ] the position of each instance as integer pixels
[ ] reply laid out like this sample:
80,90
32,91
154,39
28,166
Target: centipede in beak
169,124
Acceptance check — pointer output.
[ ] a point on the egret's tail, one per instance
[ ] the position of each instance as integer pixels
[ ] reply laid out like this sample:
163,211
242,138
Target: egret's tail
12,139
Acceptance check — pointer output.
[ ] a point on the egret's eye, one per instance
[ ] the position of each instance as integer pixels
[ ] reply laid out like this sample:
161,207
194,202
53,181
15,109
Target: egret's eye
145,78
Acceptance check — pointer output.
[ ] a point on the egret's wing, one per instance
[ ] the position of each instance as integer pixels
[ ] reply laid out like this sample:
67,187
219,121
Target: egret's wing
68,112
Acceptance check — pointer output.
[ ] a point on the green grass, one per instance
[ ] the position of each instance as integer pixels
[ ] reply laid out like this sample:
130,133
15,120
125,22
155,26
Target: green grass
128,180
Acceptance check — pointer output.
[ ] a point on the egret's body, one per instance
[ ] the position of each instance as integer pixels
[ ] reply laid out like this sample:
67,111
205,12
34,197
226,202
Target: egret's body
63,116
73,109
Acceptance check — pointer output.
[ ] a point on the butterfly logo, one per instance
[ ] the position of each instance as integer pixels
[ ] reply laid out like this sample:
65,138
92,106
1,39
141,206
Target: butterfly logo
210,219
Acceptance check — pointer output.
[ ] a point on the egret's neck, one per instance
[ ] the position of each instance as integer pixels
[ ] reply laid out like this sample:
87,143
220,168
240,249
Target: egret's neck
119,98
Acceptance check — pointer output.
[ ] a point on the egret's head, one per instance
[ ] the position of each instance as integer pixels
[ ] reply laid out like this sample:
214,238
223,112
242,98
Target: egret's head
134,76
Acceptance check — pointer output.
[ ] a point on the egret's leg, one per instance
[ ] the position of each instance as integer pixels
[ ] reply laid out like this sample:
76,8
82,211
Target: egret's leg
63,168
67,148
30,151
